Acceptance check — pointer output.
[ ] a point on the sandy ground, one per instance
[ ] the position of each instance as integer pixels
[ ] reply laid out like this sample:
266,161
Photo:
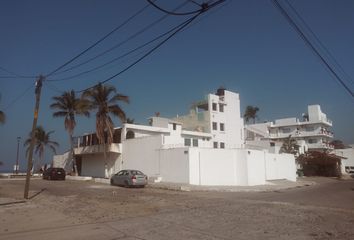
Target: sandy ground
88,210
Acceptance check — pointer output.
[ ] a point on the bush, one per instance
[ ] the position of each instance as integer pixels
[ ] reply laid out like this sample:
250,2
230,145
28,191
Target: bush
316,163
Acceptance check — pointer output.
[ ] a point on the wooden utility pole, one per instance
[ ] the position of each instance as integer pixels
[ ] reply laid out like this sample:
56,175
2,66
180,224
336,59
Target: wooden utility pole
34,125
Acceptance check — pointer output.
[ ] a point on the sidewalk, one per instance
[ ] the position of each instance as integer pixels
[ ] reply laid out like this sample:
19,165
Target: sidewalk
275,185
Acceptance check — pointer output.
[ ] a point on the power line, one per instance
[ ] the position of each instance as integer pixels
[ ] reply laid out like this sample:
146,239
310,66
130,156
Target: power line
122,42
19,96
99,41
310,45
148,53
320,42
203,8
15,75
121,56
160,44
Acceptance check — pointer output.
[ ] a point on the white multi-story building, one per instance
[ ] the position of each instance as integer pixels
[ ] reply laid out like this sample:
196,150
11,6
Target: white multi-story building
205,147
312,132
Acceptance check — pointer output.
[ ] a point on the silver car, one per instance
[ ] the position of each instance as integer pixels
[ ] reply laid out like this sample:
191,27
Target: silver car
129,178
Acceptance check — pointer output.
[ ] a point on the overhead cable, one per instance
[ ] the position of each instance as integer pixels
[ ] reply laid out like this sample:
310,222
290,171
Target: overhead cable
99,41
121,56
122,42
311,46
320,42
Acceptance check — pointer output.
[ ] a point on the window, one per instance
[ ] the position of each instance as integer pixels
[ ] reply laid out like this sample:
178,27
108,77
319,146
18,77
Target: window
311,140
174,126
286,130
215,126
310,129
221,107
195,142
214,107
222,127
272,144
222,145
187,142
215,144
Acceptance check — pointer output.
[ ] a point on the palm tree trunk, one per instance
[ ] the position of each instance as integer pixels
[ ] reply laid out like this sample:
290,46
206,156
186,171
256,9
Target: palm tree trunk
73,159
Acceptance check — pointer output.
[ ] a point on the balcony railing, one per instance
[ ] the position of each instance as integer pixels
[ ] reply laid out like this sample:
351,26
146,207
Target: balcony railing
320,145
300,134
114,147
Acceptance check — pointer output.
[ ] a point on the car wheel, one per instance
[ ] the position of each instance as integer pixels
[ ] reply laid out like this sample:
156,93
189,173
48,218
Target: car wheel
126,184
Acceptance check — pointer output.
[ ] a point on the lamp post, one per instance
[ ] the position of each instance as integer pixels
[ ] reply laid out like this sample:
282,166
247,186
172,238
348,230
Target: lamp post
18,146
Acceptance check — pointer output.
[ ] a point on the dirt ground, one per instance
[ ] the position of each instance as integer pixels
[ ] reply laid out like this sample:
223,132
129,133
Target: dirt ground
88,210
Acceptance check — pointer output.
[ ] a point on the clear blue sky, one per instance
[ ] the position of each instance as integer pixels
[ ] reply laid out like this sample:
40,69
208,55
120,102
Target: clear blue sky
245,46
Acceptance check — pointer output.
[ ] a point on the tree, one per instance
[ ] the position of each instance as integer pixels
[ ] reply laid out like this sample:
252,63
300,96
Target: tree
2,117
290,146
103,99
316,163
41,142
251,113
69,106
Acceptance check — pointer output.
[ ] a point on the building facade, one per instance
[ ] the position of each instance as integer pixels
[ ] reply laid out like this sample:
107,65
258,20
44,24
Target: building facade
312,132
204,147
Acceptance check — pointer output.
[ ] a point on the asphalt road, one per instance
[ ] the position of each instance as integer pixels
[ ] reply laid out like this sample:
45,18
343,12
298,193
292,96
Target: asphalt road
87,210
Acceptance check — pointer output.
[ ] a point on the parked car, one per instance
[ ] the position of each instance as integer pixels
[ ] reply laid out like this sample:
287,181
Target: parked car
129,178
54,174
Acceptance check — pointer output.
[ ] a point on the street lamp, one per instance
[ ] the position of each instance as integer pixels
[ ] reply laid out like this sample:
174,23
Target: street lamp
18,146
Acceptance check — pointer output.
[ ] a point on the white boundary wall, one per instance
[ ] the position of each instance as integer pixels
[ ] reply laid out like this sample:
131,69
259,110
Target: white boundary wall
204,166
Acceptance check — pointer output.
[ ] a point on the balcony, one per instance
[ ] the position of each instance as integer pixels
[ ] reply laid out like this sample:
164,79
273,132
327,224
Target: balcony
320,145
114,148
301,134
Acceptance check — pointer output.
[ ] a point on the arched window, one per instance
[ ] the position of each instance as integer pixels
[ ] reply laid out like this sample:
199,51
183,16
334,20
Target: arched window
130,134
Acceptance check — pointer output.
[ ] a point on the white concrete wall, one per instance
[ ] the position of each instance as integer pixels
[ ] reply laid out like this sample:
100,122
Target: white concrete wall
255,167
63,161
96,165
212,166
174,165
242,167
280,166
142,154
348,153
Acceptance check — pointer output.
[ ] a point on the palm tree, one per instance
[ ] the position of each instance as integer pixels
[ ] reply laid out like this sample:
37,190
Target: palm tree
104,98
2,116
41,142
251,113
290,146
69,106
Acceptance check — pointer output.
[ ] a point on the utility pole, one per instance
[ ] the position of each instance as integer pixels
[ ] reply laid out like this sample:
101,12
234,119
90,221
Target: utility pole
34,125
18,146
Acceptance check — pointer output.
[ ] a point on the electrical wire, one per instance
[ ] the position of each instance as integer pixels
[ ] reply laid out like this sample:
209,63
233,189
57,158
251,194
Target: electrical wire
319,42
122,42
121,56
19,96
203,8
310,45
15,75
148,53
158,45
100,40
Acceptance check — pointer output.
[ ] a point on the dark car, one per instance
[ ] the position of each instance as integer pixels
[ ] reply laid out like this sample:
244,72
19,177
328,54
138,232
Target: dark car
129,178
54,174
